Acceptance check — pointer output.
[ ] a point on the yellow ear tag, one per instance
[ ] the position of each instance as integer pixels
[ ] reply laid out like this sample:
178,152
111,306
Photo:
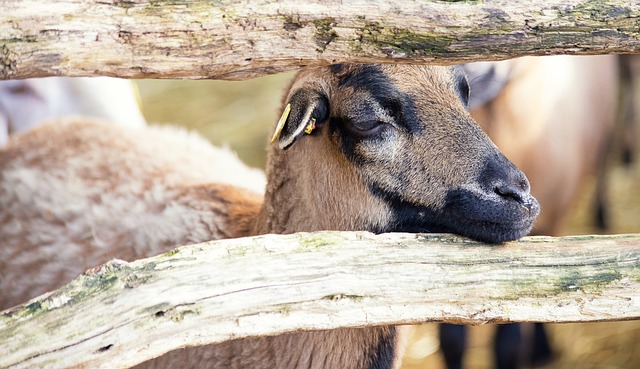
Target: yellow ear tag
281,122
310,126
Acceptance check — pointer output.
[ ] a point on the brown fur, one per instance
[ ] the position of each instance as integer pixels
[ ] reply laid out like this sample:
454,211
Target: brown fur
323,181
344,348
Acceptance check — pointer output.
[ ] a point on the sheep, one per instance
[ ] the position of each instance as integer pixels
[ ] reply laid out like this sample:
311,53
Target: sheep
553,117
28,102
383,148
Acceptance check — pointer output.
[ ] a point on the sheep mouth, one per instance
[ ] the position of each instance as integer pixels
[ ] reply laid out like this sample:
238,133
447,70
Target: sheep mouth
487,217
481,217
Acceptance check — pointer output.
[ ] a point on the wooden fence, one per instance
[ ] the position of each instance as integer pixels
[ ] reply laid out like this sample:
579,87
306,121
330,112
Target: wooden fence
214,292
237,39
108,316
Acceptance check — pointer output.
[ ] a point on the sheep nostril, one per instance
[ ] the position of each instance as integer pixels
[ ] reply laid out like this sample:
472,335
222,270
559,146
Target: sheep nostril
524,185
514,192
520,194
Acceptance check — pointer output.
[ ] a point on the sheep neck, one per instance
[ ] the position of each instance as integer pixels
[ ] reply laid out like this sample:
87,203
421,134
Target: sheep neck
307,192
291,206
279,205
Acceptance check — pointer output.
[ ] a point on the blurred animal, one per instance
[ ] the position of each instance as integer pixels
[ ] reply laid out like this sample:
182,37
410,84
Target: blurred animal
363,147
28,102
627,136
554,118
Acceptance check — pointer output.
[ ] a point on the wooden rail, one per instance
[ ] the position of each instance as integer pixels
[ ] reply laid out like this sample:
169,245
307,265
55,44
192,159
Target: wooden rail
236,39
120,314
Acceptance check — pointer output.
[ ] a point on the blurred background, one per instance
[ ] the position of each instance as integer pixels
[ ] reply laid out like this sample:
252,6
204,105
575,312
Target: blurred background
241,115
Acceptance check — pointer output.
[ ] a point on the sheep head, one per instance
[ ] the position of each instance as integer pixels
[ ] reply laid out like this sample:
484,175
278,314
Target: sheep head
391,148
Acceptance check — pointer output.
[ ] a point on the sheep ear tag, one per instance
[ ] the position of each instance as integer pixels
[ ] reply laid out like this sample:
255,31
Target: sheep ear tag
307,109
281,122
310,126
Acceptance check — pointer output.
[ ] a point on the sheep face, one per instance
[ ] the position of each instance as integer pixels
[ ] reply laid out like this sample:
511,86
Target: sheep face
392,148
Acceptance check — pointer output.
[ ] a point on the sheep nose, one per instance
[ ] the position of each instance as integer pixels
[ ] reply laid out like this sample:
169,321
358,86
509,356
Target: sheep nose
504,179
517,189
514,191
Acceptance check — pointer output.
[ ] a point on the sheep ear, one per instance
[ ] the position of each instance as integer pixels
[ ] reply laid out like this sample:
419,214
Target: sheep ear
487,82
305,109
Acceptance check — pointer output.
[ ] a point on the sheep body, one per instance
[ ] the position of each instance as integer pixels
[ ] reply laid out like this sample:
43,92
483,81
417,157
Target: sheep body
148,196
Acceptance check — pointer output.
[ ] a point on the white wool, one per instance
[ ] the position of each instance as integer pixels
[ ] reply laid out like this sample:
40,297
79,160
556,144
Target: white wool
27,103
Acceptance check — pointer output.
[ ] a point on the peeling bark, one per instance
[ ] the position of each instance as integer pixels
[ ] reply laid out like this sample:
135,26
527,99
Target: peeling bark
120,314
238,40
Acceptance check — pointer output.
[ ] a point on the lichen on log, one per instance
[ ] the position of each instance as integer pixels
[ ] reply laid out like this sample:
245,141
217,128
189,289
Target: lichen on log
239,40
123,313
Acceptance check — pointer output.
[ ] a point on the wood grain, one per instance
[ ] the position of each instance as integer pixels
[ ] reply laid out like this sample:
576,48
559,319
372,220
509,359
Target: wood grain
239,40
120,314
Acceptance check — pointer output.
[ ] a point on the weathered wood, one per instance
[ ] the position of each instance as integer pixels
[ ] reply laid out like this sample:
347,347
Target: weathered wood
123,313
237,39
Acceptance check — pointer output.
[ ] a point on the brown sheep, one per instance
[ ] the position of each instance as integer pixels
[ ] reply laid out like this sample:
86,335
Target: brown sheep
379,148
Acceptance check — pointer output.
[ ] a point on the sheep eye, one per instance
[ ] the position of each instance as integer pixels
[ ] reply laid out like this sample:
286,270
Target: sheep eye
367,127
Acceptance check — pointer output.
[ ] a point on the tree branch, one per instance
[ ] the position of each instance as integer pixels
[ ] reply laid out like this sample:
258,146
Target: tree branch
121,313
237,39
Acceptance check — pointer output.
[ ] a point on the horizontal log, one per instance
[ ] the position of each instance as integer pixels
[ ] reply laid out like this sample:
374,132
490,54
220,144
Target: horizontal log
236,39
121,313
